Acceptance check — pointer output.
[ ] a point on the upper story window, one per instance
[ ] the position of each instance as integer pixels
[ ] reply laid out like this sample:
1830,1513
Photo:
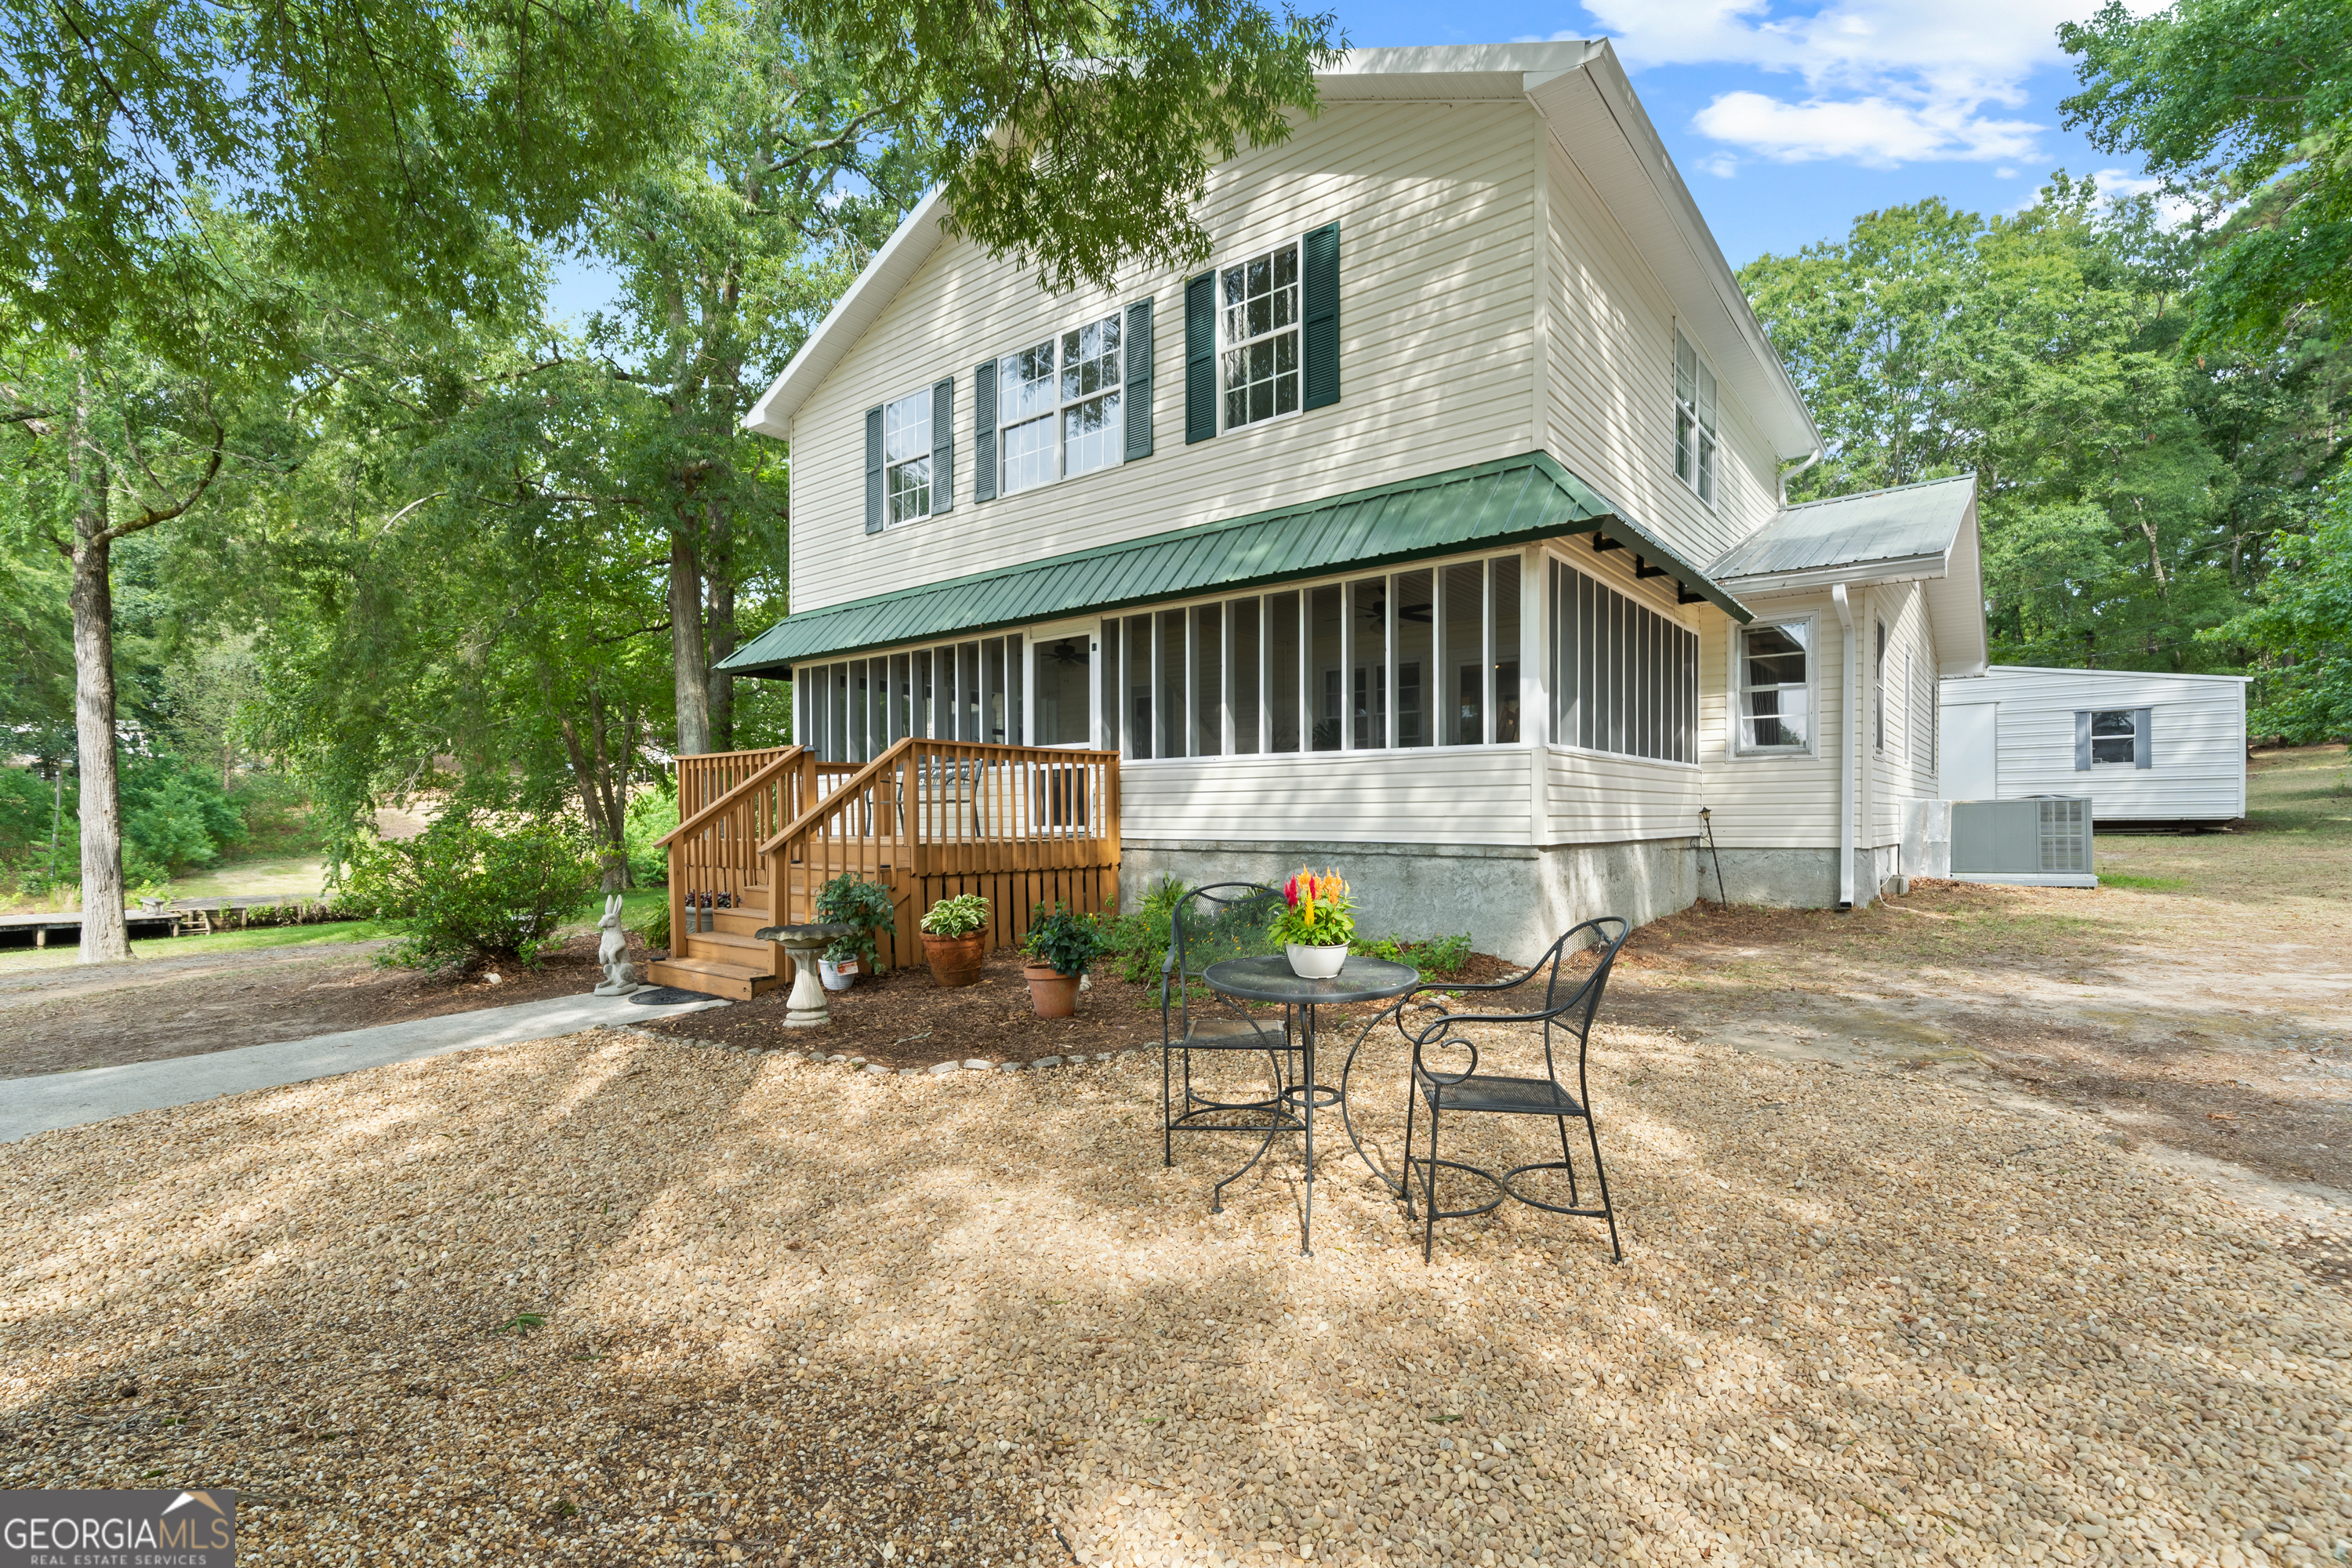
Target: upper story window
1694,420
1775,686
1259,302
1058,405
906,456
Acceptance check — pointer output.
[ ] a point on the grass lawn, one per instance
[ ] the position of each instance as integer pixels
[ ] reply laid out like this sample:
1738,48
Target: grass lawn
23,958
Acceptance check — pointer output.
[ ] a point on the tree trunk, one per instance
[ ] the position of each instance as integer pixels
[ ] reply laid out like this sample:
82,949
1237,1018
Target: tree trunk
721,600
690,664
104,937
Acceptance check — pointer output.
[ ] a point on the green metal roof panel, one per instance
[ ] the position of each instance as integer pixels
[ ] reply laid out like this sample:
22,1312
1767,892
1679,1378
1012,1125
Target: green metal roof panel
1511,501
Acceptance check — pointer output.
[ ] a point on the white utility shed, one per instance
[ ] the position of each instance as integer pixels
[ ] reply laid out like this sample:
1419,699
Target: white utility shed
2149,749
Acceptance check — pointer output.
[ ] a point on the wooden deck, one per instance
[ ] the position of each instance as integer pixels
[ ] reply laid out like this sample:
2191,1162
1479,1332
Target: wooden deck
1020,825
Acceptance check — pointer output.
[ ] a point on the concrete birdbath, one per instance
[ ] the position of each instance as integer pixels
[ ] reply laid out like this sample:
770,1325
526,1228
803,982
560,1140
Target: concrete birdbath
805,1007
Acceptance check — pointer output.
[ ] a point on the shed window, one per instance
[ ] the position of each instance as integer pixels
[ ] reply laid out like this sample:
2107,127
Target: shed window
2114,736
1774,688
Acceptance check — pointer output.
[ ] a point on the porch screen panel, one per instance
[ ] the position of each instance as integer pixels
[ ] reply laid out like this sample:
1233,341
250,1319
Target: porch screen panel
1368,679
1248,674
919,697
1463,690
1505,602
1061,699
1628,673
1107,685
1416,616
1169,685
1620,675
1138,667
1282,653
877,706
1013,679
1325,671
1208,681
992,687
968,692
901,697
836,703
855,684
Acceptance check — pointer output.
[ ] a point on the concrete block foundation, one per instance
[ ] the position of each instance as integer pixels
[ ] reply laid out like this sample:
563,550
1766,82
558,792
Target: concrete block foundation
1514,901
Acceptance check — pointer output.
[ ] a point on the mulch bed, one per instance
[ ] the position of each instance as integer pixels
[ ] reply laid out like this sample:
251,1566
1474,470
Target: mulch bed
903,1020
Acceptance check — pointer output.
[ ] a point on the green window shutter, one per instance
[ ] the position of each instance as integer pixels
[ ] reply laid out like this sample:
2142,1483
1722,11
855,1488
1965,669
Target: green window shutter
983,431
1136,394
1201,357
1318,309
943,447
874,470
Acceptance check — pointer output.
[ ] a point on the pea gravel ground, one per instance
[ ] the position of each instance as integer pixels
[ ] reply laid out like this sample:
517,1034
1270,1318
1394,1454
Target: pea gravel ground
618,1300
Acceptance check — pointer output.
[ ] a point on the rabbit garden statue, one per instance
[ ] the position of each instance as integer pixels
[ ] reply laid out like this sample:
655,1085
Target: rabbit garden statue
621,976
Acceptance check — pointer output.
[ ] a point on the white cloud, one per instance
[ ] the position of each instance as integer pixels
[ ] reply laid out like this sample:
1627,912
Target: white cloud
1722,165
1885,81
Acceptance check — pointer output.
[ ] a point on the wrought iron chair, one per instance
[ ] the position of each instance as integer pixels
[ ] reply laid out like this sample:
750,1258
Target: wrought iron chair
1568,1003
1226,919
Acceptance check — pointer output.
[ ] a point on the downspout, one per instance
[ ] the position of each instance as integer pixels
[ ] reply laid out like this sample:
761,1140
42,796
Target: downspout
1849,751
1787,474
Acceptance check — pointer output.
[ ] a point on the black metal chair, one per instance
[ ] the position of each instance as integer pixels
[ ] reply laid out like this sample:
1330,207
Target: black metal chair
1222,921
1569,1002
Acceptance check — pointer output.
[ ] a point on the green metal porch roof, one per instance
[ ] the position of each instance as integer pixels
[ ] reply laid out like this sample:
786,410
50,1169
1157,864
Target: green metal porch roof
1510,500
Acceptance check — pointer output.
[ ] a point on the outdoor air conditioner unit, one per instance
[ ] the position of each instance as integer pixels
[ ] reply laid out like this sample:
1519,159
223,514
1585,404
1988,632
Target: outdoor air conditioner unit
2041,841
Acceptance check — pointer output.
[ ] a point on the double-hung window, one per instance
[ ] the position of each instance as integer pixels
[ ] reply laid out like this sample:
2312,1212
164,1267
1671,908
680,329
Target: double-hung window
1775,686
1694,420
906,456
2114,736
1058,406
1258,327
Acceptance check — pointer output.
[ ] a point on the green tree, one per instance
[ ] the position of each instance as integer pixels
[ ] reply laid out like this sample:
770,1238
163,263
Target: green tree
2236,101
2303,627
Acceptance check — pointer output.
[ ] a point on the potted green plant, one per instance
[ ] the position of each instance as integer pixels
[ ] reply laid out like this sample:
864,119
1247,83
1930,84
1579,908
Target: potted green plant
955,939
852,901
1316,925
1059,948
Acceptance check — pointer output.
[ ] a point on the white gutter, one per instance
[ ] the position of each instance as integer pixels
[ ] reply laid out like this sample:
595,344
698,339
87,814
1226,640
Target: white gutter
1787,474
1849,749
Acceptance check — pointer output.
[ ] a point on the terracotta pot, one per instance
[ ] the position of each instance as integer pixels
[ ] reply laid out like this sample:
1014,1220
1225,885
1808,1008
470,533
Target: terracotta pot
955,960
1052,993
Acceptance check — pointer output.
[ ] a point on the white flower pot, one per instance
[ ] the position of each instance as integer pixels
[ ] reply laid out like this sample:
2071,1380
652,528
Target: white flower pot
1316,962
837,976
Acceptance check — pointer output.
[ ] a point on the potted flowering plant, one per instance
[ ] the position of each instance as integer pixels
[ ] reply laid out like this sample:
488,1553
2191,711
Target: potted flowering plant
849,900
955,940
1315,925
1059,948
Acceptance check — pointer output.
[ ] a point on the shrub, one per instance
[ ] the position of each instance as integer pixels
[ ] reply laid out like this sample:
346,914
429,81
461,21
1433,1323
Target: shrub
656,930
1139,941
1437,956
960,916
653,814
848,900
1068,941
466,892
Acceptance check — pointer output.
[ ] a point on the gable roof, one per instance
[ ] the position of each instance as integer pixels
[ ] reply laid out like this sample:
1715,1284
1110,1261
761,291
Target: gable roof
1582,93
1922,532
1511,501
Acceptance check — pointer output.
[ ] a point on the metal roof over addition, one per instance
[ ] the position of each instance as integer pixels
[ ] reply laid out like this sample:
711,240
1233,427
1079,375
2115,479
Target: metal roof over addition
1511,501
1856,535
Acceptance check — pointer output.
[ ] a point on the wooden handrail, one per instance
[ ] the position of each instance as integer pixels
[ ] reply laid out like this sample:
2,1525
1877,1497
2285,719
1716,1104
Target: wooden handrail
788,757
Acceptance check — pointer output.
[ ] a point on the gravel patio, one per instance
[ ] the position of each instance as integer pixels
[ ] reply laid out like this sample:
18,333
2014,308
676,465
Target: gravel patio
620,1298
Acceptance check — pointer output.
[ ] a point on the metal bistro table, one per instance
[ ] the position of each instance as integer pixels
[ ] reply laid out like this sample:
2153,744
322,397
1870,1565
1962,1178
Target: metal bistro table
1269,979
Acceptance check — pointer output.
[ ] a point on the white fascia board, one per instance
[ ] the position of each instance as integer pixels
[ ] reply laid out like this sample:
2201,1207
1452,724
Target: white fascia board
891,269
1874,574
1601,126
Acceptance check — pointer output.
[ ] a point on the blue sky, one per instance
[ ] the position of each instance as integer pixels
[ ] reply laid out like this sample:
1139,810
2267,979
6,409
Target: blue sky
1789,119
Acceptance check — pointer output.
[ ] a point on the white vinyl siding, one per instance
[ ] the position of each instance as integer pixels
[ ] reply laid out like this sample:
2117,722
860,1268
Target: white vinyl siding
1436,284
2196,770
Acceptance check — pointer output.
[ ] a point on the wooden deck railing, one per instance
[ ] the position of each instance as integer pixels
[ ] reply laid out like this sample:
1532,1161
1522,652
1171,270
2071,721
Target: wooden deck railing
714,850
1020,825
705,777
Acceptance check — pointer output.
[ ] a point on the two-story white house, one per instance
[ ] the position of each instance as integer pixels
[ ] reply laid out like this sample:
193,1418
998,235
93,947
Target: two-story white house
1431,531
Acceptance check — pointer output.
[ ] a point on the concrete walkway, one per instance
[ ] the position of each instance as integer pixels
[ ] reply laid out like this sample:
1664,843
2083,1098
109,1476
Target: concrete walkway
30,1105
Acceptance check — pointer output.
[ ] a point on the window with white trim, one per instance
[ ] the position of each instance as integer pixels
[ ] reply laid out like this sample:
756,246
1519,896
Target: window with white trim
1775,684
2114,736
907,457
1258,335
1058,406
1694,420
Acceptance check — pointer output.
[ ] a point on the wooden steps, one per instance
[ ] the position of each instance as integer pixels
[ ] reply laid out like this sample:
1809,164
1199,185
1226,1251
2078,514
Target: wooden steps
727,962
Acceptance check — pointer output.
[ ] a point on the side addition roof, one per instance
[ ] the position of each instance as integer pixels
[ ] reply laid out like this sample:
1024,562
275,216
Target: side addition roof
1923,533
1507,502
